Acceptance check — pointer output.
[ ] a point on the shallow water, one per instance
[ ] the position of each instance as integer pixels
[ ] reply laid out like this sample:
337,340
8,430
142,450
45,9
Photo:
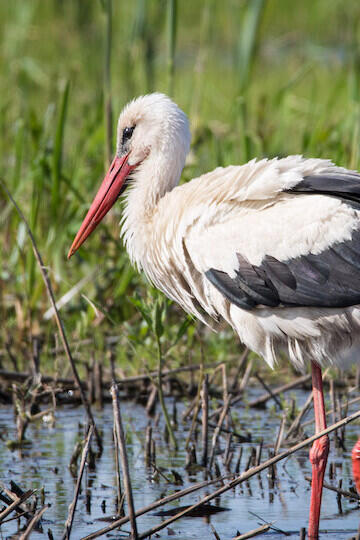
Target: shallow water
46,462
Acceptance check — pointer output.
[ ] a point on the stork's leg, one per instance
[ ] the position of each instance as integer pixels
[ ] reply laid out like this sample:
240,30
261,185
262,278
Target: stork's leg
318,453
355,456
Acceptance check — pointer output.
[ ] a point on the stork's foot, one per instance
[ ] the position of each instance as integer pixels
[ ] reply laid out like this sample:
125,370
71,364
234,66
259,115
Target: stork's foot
355,456
318,456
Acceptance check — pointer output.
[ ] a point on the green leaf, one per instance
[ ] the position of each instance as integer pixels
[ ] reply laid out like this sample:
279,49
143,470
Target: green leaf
144,310
158,312
183,328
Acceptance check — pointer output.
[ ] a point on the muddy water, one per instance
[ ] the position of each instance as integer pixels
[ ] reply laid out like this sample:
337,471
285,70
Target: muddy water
45,463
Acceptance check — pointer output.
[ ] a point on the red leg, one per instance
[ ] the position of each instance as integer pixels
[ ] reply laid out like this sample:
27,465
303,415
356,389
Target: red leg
318,453
355,456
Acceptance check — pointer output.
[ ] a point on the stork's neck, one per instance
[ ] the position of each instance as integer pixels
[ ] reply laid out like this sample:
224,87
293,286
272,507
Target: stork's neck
149,185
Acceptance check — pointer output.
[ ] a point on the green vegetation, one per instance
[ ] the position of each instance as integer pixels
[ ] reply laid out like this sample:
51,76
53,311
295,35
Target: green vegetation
257,78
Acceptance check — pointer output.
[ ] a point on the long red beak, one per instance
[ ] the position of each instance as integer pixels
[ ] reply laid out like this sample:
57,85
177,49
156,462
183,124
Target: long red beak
105,198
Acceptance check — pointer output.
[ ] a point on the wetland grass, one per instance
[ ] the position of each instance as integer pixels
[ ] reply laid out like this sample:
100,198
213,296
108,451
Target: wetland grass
256,87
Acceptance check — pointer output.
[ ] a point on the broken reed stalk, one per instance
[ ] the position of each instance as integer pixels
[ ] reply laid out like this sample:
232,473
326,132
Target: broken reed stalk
26,534
161,394
205,419
344,493
239,369
148,440
15,504
217,537
251,472
254,532
195,409
280,434
8,496
242,387
344,406
20,376
260,401
296,423
124,460
155,505
72,507
118,478
270,392
246,376
59,322
217,430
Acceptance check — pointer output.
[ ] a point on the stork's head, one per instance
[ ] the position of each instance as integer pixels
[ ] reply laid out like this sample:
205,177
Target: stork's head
153,139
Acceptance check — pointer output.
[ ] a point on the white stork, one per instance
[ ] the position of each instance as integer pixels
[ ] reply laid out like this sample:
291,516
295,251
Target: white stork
272,246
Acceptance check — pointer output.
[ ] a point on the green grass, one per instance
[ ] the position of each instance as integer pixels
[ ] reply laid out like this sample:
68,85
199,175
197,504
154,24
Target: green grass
257,78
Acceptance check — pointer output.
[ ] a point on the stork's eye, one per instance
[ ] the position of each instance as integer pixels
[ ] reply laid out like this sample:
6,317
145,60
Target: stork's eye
127,134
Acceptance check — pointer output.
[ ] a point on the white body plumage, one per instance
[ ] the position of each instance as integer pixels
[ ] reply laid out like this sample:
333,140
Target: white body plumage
175,234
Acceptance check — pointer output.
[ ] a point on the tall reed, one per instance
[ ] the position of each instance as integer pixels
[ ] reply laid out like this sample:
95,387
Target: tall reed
108,120
58,150
246,52
171,43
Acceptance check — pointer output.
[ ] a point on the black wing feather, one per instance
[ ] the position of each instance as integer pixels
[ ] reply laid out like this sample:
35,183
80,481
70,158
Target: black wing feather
328,279
344,185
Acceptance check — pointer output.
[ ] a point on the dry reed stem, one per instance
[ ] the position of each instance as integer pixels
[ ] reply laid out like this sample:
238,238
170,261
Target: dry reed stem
251,472
20,376
33,522
242,387
190,408
330,411
270,392
217,430
344,493
59,322
124,460
196,408
246,376
296,423
224,382
217,537
240,366
205,420
254,532
14,505
12,496
117,470
72,507
283,388
280,434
